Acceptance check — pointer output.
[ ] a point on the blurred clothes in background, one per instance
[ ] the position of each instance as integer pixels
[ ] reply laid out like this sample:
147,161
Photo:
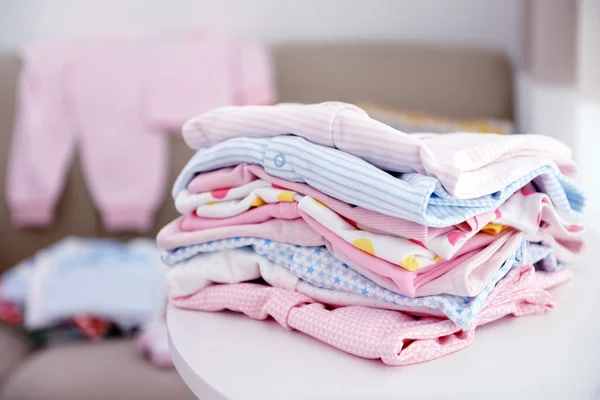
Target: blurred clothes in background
419,122
88,288
115,99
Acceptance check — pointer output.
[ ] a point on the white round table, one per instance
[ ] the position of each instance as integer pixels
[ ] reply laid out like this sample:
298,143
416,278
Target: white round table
229,356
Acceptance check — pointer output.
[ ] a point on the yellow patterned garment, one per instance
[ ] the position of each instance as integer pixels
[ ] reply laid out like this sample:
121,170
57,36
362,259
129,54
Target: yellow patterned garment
417,122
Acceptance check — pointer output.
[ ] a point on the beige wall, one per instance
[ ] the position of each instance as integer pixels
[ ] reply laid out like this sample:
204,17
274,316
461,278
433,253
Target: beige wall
550,41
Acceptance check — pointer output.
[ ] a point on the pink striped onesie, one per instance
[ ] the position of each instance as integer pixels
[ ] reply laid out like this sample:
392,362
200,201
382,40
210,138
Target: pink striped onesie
468,166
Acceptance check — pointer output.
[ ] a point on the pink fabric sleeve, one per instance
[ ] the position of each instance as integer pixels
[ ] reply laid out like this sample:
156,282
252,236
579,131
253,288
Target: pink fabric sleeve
222,178
187,75
294,231
255,82
198,71
192,222
43,138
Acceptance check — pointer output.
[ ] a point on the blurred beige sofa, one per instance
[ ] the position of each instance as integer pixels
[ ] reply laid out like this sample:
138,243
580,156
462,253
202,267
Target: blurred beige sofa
453,82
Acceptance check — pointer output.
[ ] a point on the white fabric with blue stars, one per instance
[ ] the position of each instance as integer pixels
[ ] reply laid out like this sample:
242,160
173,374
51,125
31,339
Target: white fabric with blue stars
318,267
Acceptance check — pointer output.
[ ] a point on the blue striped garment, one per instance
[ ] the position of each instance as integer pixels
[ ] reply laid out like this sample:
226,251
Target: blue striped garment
318,267
410,196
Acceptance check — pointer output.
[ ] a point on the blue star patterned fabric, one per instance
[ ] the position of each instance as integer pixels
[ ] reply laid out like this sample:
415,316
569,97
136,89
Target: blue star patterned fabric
318,267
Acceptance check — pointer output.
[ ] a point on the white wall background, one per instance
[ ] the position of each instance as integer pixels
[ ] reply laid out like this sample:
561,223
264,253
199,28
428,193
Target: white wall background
490,23
587,106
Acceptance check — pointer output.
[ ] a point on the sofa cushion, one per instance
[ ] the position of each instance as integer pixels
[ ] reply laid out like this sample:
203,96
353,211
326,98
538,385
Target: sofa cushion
14,348
111,369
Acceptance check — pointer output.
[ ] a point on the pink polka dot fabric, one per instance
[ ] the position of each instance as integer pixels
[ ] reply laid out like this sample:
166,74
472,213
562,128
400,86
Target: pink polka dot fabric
468,166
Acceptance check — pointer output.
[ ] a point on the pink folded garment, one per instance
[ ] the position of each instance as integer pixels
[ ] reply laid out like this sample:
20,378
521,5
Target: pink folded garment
530,211
244,173
477,260
392,336
567,251
468,274
476,263
237,201
173,235
295,232
467,165
192,222
525,210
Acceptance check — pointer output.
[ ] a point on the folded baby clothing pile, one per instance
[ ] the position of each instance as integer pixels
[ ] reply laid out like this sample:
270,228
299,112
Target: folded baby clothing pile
374,241
88,289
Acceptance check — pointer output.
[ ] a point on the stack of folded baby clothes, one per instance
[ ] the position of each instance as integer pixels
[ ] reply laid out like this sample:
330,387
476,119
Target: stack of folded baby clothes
374,241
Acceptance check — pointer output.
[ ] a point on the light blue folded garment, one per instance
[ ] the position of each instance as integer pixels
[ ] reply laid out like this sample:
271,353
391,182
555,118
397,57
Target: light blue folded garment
410,196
